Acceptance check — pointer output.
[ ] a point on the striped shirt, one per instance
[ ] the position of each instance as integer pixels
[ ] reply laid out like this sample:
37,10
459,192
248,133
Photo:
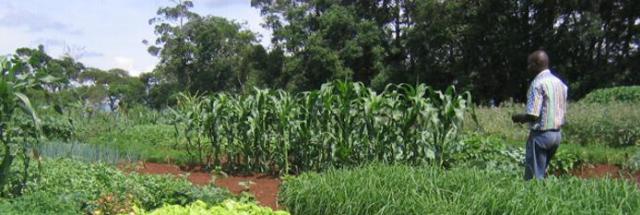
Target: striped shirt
547,99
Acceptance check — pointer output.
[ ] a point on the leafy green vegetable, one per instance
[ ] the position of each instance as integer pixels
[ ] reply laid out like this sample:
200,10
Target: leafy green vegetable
228,207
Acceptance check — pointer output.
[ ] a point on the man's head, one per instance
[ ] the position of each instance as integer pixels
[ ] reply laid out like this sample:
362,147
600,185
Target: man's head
537,61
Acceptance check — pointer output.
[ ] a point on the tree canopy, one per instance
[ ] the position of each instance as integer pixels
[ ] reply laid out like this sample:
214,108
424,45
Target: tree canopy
480,46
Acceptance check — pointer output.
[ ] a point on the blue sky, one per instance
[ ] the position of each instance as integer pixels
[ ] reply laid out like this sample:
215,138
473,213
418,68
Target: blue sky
103,33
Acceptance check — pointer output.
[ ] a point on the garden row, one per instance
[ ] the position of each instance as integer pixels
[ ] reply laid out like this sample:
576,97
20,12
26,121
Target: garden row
67,186
383,189
342,124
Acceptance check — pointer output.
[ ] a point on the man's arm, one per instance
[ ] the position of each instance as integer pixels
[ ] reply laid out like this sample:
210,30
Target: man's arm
523,118
533,107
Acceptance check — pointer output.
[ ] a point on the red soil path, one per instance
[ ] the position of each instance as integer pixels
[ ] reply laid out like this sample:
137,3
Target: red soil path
605,170
264,188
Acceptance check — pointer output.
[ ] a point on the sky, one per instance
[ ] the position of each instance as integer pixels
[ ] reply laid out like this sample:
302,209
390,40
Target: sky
104,34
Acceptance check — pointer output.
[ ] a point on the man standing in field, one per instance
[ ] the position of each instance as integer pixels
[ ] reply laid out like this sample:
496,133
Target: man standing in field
546,106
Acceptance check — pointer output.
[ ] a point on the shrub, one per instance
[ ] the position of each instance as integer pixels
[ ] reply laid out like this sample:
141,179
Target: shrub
633,162
489,152
74,187
380,189
493,153
614,94
228,207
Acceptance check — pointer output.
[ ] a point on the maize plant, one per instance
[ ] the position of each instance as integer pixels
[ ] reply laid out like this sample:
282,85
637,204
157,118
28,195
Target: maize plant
341,124
19,124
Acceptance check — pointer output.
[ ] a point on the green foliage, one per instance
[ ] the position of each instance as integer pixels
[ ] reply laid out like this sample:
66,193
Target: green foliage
146,141
633,162
494,153
341,124
380,189
228,207
598,154
115,86
72,187
563,162
613,124
55,128
201,53
630,94
489,152
20,126
480,46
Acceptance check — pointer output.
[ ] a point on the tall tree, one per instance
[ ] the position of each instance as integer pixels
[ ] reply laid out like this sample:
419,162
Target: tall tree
478,45
115,86
328,39
202,53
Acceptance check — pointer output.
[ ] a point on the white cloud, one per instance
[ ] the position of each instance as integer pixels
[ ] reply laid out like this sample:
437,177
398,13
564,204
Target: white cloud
123,63
111,29
49,42
131,66
14,17
219,3
12,40
91,54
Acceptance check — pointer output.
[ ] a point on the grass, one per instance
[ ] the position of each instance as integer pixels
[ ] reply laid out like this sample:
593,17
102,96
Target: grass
591,153
613,124
380,189
596,133
597,154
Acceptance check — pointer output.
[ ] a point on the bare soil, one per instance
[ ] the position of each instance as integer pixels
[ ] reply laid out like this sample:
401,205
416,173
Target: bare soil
263,187
605,170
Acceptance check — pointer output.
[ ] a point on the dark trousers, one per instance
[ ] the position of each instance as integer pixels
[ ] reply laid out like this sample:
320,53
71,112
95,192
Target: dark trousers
541,146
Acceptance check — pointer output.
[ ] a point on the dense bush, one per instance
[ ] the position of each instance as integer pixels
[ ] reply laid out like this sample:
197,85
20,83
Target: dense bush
228,207
71,187
380,189
615,94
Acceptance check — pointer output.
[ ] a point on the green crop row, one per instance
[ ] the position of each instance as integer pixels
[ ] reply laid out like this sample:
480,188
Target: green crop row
66,186
382,189
342,124
228,207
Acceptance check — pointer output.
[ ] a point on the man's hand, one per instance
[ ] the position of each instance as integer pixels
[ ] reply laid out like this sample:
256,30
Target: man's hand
523,118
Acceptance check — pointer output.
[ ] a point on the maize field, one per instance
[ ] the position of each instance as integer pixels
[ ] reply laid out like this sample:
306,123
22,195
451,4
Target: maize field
342,124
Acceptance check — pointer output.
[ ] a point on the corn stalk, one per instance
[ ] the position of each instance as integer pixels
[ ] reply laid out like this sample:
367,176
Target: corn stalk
342,124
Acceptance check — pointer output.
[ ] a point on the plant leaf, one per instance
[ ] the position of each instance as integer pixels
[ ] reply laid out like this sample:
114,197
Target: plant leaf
28,108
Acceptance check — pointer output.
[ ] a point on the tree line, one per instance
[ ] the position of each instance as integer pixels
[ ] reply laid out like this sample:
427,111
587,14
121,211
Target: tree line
476,45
